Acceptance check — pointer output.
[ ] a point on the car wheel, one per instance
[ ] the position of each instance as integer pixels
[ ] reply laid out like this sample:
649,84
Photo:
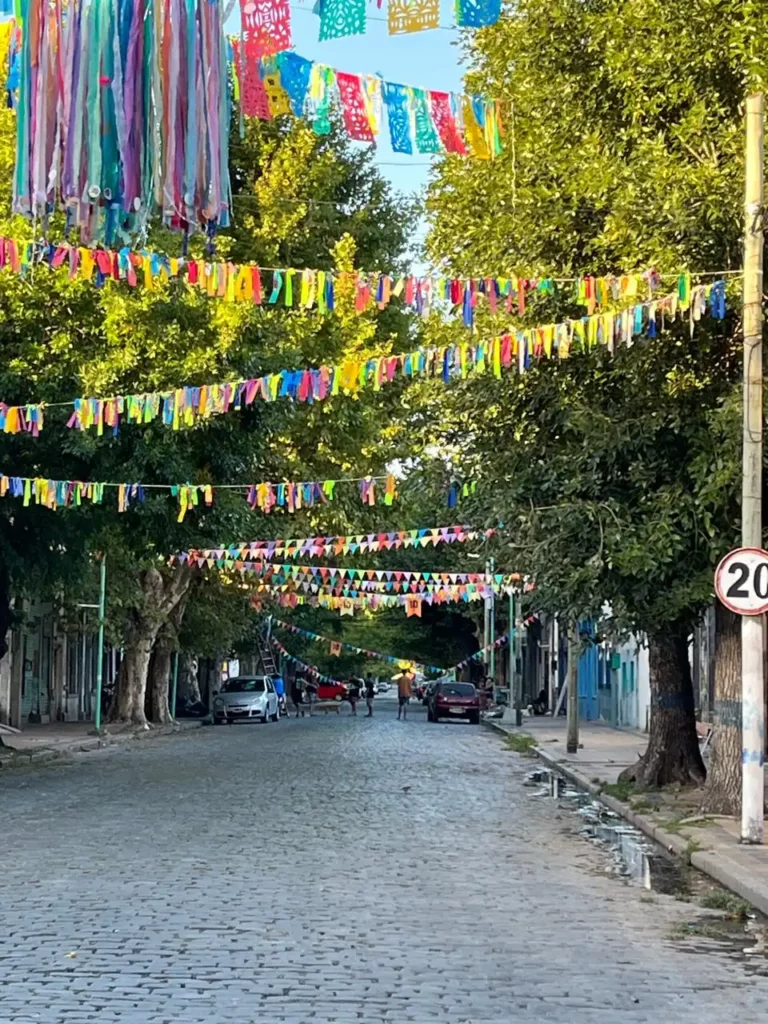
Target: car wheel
275,717
218,721
474,718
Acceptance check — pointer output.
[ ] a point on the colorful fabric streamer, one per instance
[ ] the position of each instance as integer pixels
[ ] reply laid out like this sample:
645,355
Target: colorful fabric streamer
519,349
263,496
123,114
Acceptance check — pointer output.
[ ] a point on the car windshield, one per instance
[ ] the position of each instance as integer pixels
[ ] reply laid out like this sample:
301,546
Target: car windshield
457,689
244,686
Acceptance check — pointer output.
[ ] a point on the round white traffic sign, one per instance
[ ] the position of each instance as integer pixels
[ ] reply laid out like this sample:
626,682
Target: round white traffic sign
741,581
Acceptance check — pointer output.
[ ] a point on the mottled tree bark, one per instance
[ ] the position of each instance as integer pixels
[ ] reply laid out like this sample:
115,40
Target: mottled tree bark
722,794
160,665
161,595
673,753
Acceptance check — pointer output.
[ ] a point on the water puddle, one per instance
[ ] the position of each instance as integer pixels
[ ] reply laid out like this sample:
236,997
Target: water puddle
737,930
633,856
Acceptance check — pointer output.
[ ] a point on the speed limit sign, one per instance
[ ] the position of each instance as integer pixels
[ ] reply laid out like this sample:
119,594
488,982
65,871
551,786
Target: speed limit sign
741,581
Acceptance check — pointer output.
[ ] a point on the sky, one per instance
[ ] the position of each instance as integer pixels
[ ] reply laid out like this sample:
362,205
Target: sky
426,59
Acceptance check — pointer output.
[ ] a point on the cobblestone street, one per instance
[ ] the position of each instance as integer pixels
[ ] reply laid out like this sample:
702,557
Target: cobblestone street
328,870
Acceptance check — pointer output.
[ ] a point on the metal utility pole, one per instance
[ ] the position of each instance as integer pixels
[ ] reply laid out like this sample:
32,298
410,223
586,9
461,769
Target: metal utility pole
572,686
752,694
100,644
519,660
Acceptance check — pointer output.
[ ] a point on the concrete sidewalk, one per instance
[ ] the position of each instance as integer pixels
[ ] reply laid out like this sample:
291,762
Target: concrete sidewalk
710,844
39,743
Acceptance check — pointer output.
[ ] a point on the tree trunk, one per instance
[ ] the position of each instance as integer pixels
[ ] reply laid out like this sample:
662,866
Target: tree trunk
160,674
673,753
160,596
131,686
6,608
722,794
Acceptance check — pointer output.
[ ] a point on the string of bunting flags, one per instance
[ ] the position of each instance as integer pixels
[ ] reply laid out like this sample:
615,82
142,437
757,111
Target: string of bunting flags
319,290
268,576
406,577
336,647
309,669
519,349
351,601
348,17
419,120
233,556
290,497
266,29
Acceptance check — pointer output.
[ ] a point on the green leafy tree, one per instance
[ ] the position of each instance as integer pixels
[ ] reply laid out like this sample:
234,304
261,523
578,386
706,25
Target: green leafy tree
61,339
624,142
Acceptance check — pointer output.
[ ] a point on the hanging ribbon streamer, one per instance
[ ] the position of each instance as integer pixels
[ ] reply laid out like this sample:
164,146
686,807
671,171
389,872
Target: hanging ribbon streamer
515,349
123,115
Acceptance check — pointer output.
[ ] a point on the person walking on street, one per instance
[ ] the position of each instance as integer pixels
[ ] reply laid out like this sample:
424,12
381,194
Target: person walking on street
370,693
311,691
297,697
404,693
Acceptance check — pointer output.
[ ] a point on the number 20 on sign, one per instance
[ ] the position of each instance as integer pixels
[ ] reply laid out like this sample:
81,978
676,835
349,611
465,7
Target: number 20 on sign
741,581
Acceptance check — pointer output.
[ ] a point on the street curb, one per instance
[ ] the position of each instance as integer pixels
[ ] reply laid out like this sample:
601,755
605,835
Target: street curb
12,758
715,863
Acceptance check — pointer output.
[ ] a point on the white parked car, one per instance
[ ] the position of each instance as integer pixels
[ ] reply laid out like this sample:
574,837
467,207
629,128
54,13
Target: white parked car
382,687
244,698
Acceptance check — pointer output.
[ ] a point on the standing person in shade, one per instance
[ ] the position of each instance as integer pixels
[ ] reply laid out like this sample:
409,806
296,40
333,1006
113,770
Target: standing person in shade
370,693
297,696
353,694
311,691
404,693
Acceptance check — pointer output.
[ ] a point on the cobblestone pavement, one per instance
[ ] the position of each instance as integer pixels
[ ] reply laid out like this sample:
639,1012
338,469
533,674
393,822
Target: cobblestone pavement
328,870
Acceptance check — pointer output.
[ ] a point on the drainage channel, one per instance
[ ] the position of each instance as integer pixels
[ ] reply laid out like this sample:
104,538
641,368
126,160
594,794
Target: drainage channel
633,856
641,862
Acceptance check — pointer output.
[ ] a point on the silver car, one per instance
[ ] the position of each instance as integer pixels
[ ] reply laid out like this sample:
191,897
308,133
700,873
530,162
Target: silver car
245,698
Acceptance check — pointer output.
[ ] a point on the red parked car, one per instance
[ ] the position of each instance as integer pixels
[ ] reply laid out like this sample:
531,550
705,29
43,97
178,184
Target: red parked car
454,700
332,691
